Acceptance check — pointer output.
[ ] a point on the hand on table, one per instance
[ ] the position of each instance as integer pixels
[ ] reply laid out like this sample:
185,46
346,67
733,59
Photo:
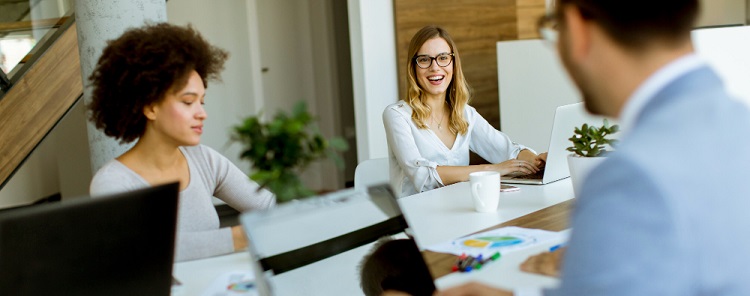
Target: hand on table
547,263
473,289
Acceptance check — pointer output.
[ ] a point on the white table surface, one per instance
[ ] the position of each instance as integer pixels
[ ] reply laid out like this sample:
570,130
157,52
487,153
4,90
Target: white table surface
435,216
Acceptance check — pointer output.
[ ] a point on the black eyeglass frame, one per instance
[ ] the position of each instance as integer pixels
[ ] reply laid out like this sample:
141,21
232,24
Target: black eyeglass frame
434,59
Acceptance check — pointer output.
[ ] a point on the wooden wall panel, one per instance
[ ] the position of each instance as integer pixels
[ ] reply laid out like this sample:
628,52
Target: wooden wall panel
476,27
529,12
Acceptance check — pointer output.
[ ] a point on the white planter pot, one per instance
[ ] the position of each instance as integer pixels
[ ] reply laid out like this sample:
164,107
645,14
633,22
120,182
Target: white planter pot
579,168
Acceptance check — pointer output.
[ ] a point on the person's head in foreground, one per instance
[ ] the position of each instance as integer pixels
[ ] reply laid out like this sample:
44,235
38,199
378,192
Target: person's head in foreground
598,38
395,265
434,73
151,82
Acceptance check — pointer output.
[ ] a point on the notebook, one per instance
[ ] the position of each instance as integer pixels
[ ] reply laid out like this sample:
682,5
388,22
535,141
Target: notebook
567,118
281,240
117,245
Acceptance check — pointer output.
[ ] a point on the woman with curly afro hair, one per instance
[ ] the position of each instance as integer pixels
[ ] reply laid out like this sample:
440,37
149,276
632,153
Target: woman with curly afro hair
149,86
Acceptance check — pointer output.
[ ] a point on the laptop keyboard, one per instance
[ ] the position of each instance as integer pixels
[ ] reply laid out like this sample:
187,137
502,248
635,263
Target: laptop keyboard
535,176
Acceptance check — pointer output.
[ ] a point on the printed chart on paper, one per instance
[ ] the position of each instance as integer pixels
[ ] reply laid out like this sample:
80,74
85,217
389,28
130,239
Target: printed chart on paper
503,240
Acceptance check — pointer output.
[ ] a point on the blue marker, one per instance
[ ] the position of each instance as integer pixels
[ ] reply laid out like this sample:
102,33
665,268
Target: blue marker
555,247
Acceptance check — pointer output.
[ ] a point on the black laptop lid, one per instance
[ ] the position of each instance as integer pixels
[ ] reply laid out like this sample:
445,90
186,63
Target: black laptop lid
117,245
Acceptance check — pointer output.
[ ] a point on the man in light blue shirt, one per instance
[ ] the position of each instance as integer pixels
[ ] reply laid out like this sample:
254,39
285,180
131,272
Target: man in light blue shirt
666,214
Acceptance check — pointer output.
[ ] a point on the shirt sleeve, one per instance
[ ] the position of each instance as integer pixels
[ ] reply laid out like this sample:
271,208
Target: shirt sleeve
489,143
421,171
191,245
227,182
234,187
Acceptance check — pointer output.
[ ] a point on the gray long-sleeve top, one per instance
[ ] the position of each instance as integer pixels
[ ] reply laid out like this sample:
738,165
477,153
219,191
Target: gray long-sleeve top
211,174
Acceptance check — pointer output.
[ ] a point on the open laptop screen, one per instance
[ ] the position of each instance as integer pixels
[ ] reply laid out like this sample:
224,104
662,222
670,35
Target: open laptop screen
117,245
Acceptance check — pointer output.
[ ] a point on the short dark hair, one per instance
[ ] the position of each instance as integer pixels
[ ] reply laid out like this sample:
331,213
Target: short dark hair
636,23
394,264
140,67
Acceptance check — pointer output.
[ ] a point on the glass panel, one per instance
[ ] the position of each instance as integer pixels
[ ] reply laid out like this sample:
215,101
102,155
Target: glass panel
25,24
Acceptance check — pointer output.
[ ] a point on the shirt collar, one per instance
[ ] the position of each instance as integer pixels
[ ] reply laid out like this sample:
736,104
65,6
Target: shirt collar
648,89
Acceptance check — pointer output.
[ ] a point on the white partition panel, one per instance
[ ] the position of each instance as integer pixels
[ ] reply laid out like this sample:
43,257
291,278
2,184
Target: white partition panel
727,50
532,83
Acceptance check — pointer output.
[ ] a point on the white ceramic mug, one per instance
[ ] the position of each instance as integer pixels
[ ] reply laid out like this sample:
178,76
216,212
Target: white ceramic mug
485,190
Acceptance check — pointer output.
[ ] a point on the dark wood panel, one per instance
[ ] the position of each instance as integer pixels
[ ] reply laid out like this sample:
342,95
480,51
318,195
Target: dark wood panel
476,27
553,218
38,100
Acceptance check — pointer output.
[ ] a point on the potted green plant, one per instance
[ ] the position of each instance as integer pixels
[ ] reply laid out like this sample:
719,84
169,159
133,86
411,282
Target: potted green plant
590,145
282,148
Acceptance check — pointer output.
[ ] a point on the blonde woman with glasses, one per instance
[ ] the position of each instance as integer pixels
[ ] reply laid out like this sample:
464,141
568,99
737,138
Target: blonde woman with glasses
431,132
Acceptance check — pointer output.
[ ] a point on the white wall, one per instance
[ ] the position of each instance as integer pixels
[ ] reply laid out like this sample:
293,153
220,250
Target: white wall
293,41
286,56
60,164
326,85
374,74
73,157
225,25
37,178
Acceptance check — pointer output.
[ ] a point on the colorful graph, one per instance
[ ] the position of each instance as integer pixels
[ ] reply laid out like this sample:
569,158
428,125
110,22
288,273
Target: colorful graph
492,241
502,240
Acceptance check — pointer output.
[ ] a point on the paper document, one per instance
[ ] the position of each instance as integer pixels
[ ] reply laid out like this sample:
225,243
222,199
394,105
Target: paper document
502,240
233,283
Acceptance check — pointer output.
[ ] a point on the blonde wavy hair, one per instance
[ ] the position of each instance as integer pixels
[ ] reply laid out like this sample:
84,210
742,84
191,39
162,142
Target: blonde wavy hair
457,94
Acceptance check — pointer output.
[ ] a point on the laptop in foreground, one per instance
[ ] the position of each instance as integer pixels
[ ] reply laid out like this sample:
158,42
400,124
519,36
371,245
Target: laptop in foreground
567,118
301,233
117,245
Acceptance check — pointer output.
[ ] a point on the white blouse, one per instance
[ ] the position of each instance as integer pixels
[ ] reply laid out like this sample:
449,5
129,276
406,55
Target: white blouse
414,153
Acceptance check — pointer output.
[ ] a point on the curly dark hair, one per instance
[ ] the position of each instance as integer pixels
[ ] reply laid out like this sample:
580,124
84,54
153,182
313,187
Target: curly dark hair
140,67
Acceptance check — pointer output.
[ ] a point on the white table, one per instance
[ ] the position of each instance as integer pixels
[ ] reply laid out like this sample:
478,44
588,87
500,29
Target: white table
435,216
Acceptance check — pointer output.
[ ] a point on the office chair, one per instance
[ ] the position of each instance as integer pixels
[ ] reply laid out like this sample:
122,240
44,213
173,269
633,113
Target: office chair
371,172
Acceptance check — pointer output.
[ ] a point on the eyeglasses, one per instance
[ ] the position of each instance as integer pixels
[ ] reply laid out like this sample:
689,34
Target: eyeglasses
548,28
443,60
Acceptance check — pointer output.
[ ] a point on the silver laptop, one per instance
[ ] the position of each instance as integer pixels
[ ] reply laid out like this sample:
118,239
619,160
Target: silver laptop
302,239
567,118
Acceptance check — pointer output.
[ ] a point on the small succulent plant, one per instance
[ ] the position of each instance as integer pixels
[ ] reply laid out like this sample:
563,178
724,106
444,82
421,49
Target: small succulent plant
590,141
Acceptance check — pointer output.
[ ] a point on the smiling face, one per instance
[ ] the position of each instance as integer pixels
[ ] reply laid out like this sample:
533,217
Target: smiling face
178,118
435,79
